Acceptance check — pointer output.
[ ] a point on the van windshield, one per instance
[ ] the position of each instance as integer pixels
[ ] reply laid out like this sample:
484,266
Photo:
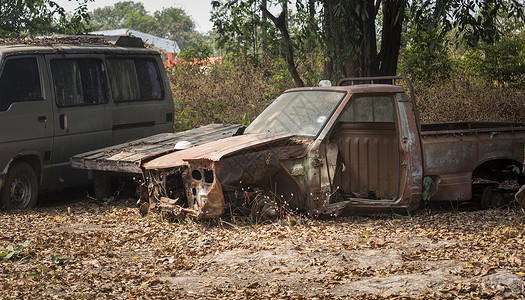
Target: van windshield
301,113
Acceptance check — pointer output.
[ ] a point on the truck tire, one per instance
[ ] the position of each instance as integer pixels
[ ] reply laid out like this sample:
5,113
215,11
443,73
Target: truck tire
491,198
104,187
20,190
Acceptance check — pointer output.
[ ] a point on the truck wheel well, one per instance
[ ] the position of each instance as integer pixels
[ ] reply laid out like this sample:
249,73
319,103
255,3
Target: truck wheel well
33,161
497,170
284,188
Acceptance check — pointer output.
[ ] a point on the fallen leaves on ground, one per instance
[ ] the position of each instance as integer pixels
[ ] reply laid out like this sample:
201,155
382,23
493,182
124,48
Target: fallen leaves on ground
90,250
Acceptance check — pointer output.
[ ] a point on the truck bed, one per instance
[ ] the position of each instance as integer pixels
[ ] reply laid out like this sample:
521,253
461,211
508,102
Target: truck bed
466,127
127,158
456,153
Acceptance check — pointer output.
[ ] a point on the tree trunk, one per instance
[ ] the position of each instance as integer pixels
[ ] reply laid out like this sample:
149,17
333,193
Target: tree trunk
264,30
393,16
370,62
280,23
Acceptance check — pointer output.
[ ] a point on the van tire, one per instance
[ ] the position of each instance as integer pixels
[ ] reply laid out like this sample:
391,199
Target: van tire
20,190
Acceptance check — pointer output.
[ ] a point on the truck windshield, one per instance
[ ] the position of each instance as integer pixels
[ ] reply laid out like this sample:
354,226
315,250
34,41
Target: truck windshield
301,113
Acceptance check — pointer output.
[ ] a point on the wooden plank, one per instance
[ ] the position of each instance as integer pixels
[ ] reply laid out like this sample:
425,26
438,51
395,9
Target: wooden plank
122,156
127,157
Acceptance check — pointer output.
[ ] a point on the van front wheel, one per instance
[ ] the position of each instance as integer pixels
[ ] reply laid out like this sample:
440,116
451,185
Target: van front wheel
20,188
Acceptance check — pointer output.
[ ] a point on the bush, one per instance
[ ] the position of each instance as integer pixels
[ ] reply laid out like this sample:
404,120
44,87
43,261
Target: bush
501,64
224,92
235,92
463,98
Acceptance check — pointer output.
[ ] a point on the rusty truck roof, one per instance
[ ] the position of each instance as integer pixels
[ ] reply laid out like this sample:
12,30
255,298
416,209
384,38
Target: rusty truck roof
357,89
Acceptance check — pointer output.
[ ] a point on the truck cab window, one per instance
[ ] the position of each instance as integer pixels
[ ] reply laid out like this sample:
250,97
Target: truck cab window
369,109
79,82
20,81
134,79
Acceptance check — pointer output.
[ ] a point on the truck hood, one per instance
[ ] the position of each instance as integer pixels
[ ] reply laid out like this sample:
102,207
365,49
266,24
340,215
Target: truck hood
214,151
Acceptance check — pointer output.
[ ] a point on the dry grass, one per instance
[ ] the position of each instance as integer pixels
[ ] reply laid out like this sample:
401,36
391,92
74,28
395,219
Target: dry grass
461,99
222,93
234,93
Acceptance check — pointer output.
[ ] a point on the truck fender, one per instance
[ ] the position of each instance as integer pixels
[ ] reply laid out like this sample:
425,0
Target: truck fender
33,158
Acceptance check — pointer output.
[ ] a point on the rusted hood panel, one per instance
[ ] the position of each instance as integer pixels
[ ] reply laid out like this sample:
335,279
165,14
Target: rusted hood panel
215,150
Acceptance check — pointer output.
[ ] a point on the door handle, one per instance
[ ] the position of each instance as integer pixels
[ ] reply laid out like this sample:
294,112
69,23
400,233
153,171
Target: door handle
63,121
42,119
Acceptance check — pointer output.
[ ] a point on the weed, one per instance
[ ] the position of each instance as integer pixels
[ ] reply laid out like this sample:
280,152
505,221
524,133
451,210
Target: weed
10,251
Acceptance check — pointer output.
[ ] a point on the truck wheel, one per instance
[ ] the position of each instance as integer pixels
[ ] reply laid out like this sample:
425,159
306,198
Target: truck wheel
521,179
491,197
264,209
104,187
20,189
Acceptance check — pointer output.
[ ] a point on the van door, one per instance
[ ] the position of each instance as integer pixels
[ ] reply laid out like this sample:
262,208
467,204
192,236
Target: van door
368,149
26,118
82,118
142,103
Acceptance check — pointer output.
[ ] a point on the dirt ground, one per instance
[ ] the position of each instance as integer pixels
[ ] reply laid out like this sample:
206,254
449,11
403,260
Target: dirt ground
83,249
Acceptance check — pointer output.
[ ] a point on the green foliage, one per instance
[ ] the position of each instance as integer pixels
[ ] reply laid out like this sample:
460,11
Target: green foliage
428,182
10,251
500,63
246,120
195,51
123,14
425,57
514,169
171,23
185,119
19,18
60,259
239,26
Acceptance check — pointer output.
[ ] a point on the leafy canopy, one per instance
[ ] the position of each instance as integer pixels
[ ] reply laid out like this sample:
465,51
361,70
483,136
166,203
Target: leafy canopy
20,18
171,23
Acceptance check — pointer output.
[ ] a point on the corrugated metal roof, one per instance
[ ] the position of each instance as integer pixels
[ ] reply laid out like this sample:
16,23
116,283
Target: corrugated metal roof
165,44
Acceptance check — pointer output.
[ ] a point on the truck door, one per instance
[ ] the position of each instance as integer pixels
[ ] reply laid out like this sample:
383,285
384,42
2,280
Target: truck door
82,120
367,137
26,119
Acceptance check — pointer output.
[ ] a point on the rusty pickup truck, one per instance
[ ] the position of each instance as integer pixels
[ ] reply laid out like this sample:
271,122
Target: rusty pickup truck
355,147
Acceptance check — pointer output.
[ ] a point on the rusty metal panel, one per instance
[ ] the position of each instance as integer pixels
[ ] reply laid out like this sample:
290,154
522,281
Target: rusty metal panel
360,89
215,150
451,154
370,155
128,157
410,156
453,187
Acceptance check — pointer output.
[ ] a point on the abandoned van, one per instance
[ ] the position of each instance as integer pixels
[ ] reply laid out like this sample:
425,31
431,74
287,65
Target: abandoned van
60,97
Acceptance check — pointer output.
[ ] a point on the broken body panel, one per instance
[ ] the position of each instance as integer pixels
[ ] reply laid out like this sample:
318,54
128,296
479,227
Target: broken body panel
333,150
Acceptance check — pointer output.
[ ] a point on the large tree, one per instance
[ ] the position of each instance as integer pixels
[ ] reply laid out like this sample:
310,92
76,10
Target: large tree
351,37
280,23
358,37
125,14
171,23
39,17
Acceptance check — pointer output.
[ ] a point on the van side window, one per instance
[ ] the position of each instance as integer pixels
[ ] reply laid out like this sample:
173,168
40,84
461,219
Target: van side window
20,81
79,82
134,79
378,109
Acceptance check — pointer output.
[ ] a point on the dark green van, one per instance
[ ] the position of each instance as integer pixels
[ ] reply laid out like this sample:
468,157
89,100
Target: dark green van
61,97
